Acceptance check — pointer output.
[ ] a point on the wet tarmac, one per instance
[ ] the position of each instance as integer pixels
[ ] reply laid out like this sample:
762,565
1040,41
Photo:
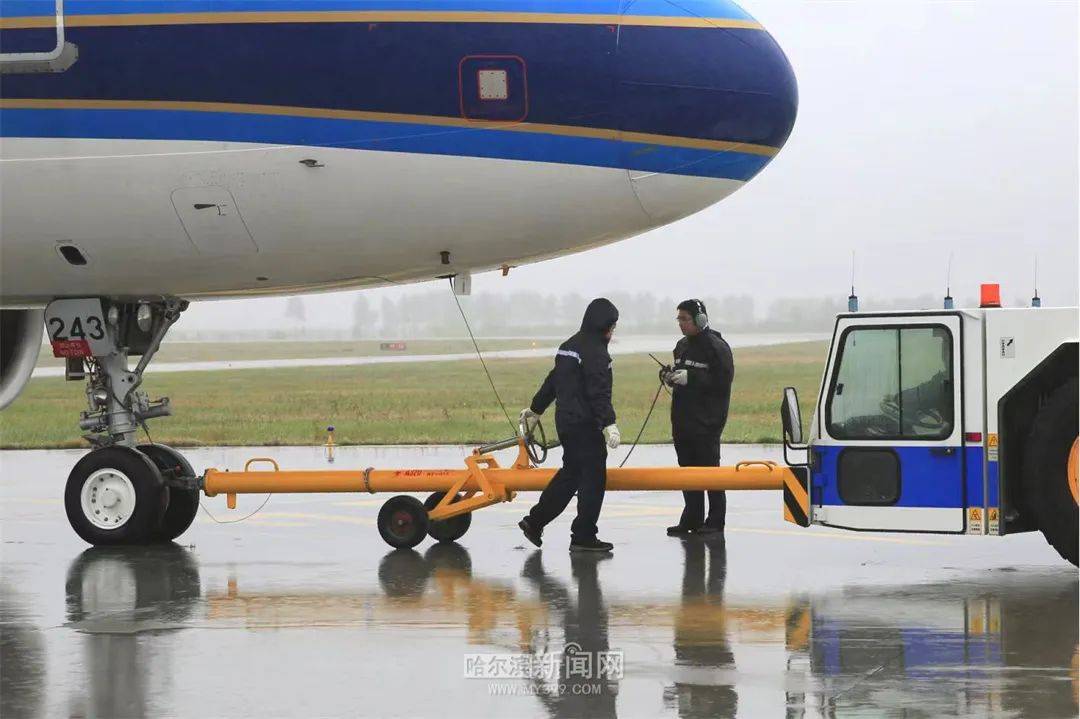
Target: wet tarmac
302,611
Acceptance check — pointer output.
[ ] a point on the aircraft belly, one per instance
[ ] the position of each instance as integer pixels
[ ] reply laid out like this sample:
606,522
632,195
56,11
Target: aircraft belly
300,217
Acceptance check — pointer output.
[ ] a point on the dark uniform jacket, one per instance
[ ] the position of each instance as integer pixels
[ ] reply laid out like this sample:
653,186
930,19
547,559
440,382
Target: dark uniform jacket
580,383
701,406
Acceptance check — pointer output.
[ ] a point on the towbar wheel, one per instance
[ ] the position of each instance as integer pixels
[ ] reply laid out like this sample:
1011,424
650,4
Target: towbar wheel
446,530
403,521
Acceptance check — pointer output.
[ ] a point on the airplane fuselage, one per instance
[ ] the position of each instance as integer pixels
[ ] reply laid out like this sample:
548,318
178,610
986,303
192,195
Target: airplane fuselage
229,148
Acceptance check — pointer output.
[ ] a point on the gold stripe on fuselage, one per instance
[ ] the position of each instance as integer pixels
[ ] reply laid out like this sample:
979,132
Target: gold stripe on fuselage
375,16
366,116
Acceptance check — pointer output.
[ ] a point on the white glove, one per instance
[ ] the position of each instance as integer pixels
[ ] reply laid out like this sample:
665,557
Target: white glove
529,419
612,436
679,377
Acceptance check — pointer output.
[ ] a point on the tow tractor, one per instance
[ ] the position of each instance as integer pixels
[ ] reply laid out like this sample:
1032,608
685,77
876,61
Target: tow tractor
944,421
950,421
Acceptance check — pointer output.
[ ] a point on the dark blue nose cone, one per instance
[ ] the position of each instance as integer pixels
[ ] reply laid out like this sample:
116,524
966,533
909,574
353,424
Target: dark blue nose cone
711,79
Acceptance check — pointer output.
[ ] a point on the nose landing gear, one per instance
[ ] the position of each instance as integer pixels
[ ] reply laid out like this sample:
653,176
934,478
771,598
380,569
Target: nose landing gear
121,493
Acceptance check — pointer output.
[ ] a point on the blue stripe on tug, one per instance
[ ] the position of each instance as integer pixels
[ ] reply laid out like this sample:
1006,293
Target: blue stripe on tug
926,480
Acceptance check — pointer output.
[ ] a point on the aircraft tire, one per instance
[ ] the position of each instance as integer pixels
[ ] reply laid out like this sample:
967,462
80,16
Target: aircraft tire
115,495
183,504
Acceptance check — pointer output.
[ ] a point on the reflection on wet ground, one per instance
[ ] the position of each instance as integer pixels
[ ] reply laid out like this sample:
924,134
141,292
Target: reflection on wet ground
306,612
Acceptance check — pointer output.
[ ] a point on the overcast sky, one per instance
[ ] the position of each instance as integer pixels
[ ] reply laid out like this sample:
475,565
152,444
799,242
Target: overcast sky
924,128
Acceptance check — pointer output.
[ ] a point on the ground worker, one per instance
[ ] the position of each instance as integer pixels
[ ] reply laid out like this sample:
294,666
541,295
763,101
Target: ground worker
580,386
700,381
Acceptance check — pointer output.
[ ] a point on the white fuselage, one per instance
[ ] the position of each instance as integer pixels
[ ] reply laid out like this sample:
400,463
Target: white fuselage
200,219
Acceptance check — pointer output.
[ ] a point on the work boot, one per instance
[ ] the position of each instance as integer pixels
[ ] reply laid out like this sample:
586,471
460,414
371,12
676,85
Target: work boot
531,533
590,545
680,530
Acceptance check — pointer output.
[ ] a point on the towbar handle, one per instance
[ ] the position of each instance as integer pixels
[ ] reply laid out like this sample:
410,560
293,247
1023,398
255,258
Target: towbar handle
537,448
496,446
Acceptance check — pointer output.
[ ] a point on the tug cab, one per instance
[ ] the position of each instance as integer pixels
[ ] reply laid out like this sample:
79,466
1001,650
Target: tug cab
961,422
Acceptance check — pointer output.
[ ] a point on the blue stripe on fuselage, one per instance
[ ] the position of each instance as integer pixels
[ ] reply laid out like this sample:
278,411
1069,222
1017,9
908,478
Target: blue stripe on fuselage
693,83
654,8
382,136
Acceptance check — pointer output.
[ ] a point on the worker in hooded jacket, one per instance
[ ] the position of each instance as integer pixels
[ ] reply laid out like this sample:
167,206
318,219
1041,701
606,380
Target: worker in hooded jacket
580,386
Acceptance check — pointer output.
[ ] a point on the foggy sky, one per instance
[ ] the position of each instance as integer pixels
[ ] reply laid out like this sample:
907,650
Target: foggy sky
924,128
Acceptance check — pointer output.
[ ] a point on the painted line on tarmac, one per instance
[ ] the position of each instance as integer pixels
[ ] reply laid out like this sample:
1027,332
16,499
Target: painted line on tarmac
853,536
262,518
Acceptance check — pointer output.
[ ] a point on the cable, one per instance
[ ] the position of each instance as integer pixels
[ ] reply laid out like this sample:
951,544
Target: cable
480,355
142,423
234,521
645,423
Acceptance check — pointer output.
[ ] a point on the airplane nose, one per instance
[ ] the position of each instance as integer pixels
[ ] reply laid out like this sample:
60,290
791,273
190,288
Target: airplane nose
706,99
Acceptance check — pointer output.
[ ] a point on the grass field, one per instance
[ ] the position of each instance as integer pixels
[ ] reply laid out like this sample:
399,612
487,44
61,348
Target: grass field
219,351
430,402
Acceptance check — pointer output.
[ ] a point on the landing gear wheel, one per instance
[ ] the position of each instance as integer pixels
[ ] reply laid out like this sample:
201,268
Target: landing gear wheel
403,521
1048,477
115,495
446,530
183,504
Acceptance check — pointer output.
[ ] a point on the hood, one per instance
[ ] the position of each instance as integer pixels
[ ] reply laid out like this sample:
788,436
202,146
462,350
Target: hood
600,315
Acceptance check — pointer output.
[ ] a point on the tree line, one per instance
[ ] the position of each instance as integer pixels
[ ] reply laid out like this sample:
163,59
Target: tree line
434,314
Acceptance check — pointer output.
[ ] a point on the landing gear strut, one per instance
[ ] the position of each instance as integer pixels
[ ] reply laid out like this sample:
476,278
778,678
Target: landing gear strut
121,493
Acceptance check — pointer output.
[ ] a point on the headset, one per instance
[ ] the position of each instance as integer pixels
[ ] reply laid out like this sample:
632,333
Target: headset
701,319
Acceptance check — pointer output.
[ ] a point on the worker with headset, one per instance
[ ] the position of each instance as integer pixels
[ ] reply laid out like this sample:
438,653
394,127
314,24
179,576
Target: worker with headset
700,380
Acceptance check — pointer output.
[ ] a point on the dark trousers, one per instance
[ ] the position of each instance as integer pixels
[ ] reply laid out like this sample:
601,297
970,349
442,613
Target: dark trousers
584,472
701,451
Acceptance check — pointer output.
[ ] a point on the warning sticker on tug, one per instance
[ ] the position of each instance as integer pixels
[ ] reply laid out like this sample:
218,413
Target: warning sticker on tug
975,520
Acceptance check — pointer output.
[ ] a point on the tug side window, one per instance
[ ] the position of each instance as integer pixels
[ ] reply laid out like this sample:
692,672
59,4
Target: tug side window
893,383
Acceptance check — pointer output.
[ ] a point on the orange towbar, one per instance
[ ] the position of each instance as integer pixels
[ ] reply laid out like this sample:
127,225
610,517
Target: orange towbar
746,475
456,493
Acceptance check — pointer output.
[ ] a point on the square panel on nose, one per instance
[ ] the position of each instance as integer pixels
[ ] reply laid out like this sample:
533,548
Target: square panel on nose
493,88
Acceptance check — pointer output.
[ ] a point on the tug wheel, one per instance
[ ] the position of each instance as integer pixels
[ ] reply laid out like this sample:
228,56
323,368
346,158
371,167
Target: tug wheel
446,530
115,495
1050,469
1074,469
403,521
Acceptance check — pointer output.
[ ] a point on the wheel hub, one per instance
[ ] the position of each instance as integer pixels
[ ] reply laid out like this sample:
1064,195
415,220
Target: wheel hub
108,498
401,523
